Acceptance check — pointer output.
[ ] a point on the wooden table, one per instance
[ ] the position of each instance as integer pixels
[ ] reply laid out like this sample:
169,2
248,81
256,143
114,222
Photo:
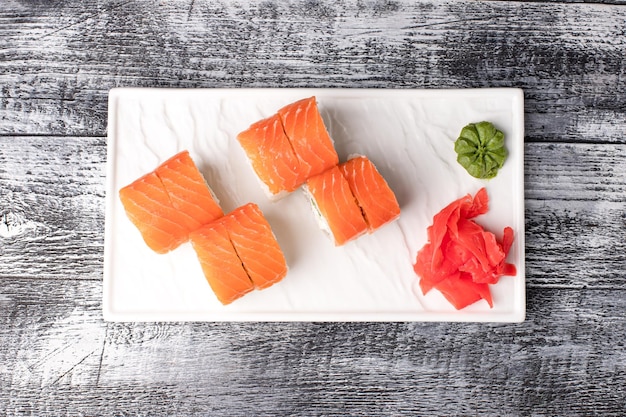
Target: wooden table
58,59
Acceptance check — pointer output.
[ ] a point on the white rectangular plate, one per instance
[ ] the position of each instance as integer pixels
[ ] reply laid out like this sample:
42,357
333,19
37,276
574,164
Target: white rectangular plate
408,134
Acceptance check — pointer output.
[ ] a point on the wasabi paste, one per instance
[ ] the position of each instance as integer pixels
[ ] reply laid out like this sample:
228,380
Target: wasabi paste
480,149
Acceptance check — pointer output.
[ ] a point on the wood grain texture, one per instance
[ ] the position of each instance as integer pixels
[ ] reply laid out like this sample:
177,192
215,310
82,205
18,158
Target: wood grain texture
62,360
59,58
52,207
59,61
575,215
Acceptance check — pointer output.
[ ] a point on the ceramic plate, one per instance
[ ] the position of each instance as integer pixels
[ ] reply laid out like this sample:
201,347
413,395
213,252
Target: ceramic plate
408,134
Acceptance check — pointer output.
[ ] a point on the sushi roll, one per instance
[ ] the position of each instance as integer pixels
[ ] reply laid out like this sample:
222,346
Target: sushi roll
289,147
351,199
239,253
335,207
168,203
377,201
304,126
272,157
256,245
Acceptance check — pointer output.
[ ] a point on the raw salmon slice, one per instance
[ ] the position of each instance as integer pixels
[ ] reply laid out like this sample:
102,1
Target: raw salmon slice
271,155
149,208
188,191
256,245
309,138
372,193
220,264
336,206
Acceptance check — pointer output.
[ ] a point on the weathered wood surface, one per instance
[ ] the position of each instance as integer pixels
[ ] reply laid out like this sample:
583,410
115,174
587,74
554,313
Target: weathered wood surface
69,362
58,60
52,207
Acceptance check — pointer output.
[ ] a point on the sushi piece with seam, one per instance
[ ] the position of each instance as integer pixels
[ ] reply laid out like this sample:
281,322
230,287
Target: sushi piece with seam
169,202
335,207
351,199
272,157
371,191
239,245
289,147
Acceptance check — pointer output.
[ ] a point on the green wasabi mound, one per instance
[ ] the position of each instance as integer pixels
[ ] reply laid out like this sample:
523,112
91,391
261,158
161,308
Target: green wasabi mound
480,149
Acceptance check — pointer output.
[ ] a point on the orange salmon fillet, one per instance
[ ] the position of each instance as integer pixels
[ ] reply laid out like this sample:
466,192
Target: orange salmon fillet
220,264
309,139
335,202
188,191
256,245
149,208
373,195
271,155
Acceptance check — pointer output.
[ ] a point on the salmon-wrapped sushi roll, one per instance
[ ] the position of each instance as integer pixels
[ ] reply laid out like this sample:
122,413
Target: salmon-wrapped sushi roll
239,253
272,157
220,263
168,203
373,195
289,147
335,206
